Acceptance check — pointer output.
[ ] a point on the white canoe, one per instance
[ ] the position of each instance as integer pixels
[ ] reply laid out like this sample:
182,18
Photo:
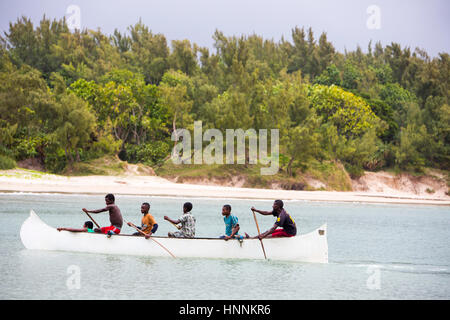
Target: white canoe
311,247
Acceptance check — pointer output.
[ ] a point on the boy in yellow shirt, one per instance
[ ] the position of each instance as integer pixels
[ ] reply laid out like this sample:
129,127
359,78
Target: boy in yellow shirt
148,223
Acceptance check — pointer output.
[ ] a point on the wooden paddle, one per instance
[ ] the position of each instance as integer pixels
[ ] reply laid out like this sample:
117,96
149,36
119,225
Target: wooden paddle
175,225
92,219
143,233
259,233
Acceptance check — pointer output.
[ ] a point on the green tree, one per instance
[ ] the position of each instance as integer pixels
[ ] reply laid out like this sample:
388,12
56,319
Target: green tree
74,126
33,46
399,99
350,76
349,113
149,53
329,76
303,143
183,57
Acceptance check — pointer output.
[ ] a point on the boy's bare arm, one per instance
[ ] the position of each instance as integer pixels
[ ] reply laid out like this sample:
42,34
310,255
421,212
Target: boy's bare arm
96,211
266,213
72,230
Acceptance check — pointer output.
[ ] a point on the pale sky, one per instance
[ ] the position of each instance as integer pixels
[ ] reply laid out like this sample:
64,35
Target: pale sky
413,23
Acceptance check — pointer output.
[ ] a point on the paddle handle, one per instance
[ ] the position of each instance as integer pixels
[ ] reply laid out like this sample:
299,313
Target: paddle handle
175,225
256,221
259,233
139,230
142,232
92,219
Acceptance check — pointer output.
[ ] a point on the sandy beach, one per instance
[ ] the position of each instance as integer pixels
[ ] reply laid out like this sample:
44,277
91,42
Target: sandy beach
29,181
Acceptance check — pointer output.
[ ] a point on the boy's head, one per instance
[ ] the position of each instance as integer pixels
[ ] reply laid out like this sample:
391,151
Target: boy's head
88,225
109,198
278,205
145,207
187,207
226,210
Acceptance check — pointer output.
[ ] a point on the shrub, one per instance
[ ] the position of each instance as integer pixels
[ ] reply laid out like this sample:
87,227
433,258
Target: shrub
7,163
150,153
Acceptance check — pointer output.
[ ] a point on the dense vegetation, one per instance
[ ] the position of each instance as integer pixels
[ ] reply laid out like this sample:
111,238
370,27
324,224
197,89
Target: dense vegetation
69,97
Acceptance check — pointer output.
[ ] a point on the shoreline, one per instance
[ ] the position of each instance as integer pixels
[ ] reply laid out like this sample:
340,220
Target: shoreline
379,200
29,182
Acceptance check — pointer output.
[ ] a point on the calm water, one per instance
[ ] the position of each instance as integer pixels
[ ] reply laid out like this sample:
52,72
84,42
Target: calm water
375,252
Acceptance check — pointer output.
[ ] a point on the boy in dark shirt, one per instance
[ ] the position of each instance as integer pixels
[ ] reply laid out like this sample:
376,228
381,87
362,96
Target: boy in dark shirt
284,221
115,216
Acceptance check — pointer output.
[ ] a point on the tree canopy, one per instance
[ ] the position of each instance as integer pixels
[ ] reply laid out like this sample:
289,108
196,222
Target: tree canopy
68,96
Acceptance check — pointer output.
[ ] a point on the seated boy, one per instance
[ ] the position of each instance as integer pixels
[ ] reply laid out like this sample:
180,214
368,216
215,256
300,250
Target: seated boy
231,224
187,221
148,223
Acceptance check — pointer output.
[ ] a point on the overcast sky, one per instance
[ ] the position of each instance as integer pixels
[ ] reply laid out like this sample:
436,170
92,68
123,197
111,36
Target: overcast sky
413,23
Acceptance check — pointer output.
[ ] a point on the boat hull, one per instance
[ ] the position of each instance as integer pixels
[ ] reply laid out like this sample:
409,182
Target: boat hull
312,247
